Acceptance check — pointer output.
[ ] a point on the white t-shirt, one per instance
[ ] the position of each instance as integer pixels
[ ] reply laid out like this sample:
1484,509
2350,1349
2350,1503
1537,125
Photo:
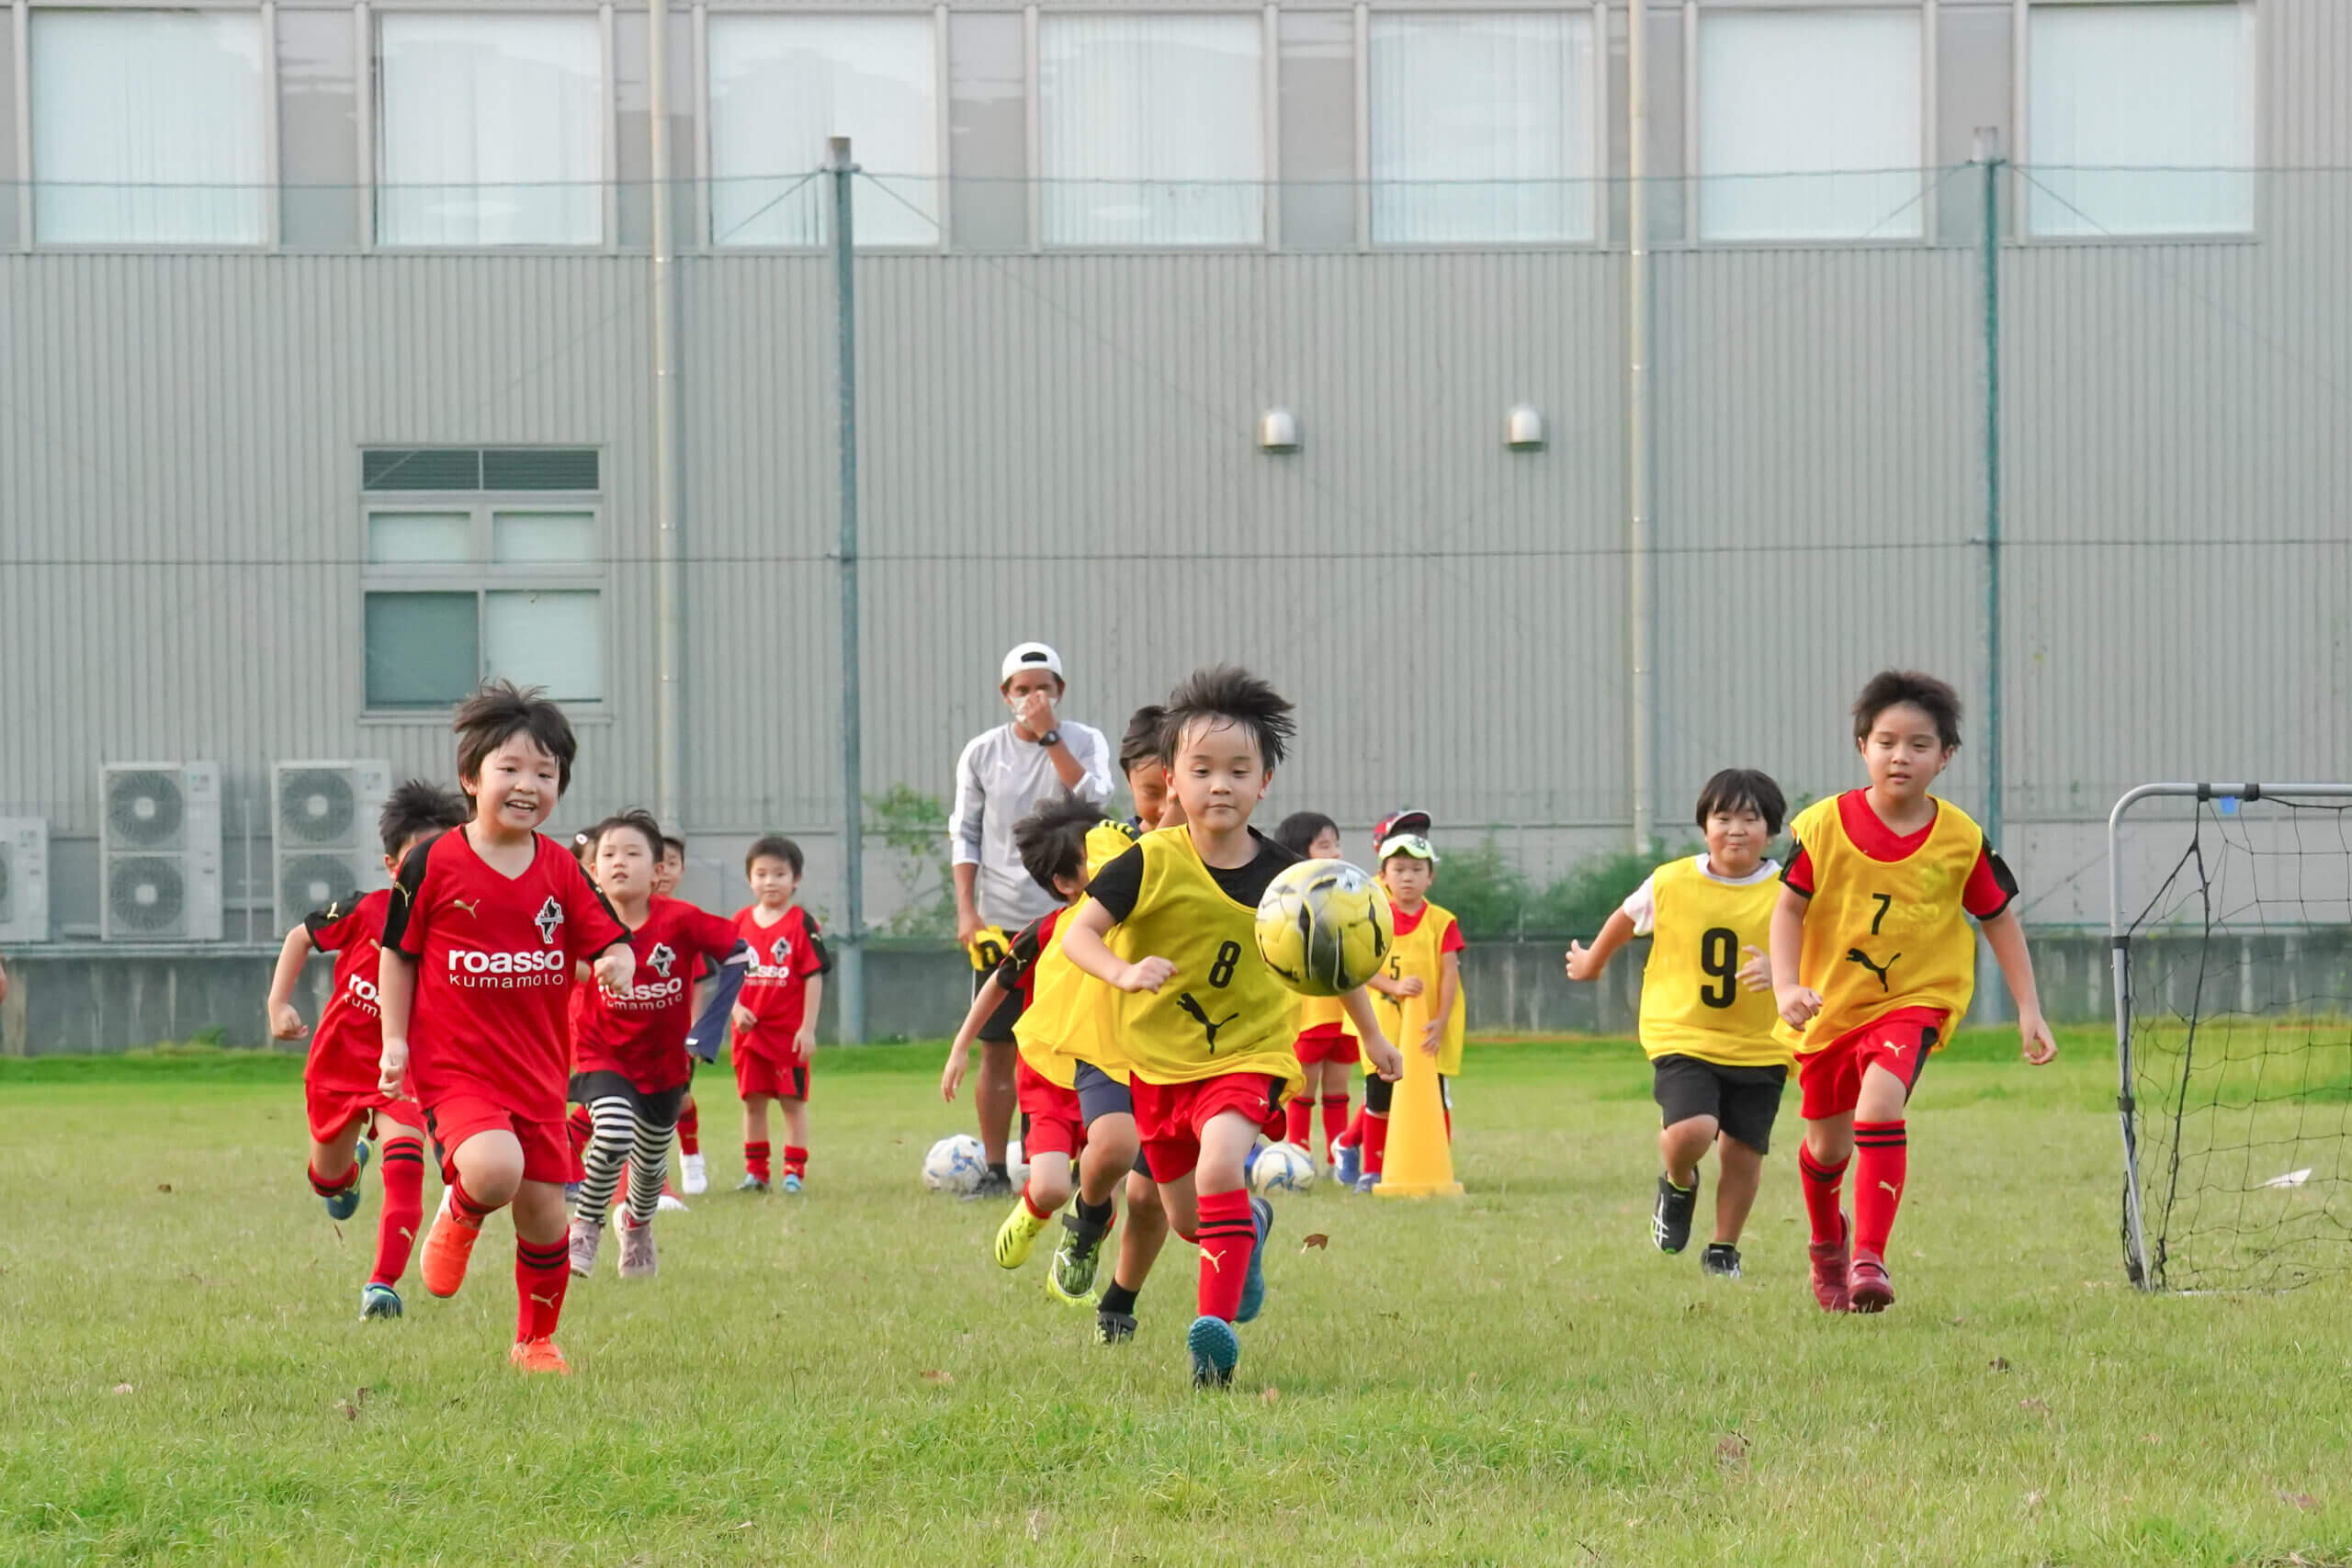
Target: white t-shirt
1641,908
1000,779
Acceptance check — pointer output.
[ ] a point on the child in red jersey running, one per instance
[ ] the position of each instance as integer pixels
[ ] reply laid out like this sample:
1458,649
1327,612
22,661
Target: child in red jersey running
339,1086
629,1062
483,929
1324,1048
775,1018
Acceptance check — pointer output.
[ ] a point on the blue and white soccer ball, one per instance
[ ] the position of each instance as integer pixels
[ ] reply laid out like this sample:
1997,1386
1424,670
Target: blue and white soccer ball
1282,1167
955,1165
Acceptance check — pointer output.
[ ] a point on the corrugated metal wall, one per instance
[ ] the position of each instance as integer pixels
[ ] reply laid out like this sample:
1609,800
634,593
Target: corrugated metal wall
1062,446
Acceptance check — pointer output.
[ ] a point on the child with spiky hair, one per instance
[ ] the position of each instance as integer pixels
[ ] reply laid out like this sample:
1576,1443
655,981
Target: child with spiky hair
1205,1025
346,1104
1873,964
1706,1023
629,1062
483,929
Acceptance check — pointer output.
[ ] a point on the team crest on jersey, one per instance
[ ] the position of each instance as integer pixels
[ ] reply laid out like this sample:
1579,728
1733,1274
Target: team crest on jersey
660,958
781,951
549,917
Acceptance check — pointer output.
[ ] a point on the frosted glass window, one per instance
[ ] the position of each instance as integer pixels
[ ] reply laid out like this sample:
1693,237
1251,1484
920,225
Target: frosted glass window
410,537
420,650
1151,129
780,87
2139,119
551,639
1810,126
517,537
491,130
147,127
1482,128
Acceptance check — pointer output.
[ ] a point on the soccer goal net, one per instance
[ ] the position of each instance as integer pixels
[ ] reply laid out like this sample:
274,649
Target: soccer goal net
2232,956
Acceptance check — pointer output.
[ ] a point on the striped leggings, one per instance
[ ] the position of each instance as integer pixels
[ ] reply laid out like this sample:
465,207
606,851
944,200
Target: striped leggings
623,1136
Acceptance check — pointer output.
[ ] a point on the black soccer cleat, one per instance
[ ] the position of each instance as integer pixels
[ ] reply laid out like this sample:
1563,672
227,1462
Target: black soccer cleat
1114,1328
1671,1220
994,1184
1721,1259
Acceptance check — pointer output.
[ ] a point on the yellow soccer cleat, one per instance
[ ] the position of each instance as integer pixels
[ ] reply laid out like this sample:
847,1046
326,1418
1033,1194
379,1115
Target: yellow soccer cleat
1017,1236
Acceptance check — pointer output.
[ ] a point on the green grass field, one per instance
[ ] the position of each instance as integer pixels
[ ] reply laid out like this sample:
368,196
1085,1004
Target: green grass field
1516,1378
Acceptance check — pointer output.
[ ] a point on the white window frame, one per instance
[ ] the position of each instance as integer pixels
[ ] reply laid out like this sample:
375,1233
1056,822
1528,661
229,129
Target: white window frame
2021,115
1597,118
482,576
705,238
1268,129
1694,14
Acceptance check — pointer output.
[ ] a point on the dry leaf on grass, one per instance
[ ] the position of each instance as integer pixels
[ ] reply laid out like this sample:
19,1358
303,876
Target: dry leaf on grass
162,1187
2034,1499
2302,1500
1273,1394
937,1376
122,1388
1316,1239
1731,1450
1998,1364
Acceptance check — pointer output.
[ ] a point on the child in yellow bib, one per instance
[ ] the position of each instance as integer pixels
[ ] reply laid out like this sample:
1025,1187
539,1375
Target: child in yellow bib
1206,1027
1418,996
1874,966
1327,1052
1706,1019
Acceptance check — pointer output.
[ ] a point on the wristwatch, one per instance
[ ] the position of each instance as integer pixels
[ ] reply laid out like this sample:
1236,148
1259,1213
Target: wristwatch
1051,737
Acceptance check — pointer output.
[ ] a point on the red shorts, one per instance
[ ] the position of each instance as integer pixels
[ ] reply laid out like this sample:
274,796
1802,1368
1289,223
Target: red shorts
756,1073
1051,1120
1831,1077
332,1110
546,1153
1169,1116
1328,1043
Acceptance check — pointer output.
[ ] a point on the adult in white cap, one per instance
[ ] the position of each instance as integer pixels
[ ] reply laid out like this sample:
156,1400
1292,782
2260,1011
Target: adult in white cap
1003,774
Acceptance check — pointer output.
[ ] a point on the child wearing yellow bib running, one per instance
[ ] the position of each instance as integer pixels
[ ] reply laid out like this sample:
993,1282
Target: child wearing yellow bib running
1706,1024
1874,966
1206,1027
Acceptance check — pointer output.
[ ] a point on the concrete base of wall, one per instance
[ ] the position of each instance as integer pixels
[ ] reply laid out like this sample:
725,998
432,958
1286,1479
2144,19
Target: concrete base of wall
89,998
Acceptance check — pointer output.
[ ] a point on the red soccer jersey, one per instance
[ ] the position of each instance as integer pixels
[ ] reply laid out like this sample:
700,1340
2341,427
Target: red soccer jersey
349,1040
1018,972
642,1036
776,986
494,958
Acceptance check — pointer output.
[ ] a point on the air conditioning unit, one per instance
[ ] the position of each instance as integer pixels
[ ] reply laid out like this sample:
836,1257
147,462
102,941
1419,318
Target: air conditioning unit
323,832
159,846
24,880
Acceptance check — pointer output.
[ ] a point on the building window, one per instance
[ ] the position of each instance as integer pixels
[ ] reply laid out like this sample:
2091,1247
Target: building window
781,86
1810,126
2139,119
1151,129
1482,128
491,130
147,127
481,564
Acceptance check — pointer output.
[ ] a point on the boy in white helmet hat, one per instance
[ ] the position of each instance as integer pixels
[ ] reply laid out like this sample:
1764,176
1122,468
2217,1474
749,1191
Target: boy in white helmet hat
1003,774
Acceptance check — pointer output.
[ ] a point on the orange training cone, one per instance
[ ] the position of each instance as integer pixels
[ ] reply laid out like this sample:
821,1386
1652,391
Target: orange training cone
1420,1159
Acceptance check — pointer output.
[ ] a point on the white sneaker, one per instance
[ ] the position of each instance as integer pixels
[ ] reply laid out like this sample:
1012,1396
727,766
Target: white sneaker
692,1175
671,1205
638,1258
585,1233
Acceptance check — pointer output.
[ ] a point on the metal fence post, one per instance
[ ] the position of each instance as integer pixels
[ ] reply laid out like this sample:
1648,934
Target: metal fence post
851,933
1990,163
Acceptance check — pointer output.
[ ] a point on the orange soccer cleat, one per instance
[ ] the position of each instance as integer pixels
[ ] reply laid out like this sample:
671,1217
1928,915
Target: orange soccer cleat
539,1356
448,1248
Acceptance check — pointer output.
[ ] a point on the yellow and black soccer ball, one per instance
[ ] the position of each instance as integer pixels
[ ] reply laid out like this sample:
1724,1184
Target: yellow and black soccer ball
1324,926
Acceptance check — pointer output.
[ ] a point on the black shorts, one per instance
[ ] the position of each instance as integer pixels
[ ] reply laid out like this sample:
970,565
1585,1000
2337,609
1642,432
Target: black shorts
1378,1092
997,1028
1743,1100
657,1109
1100,1094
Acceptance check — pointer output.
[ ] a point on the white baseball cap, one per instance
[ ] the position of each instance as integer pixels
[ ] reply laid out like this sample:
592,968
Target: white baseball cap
1031,656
